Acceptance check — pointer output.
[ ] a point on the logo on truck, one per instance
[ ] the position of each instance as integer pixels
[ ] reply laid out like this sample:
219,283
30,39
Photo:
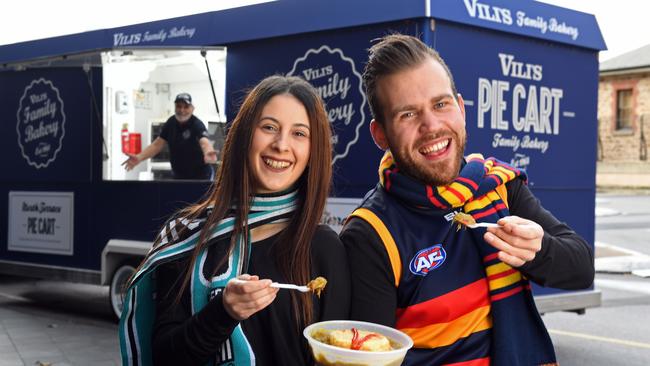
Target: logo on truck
40,123
338,82
523,112
521,19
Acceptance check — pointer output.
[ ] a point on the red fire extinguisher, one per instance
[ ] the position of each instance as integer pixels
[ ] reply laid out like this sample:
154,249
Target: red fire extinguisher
135,143
125,138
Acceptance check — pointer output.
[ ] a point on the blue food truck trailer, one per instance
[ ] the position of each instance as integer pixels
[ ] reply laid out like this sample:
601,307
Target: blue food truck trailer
528,72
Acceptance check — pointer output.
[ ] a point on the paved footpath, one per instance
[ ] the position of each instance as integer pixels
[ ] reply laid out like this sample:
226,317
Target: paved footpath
36,328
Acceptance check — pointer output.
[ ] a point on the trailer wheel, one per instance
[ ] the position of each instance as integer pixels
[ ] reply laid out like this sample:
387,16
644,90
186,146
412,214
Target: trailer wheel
118,285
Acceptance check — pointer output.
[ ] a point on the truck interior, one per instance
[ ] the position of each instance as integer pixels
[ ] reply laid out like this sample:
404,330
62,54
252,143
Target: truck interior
139,87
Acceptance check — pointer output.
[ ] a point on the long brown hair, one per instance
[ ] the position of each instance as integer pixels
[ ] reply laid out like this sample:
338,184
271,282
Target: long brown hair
234,186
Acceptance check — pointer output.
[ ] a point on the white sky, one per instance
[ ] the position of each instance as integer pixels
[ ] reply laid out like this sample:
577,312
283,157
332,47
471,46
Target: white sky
621,21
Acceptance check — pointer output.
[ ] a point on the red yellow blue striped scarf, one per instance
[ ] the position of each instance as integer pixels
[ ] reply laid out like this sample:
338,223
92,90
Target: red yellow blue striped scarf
519,336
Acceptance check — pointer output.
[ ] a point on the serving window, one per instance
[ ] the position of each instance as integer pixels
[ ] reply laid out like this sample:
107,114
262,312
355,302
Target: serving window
138,97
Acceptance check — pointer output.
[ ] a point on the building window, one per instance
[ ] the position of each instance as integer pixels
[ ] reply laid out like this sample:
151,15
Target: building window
624,109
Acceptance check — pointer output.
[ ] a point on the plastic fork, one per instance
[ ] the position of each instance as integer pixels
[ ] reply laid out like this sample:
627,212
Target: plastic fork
290,286
283,285
482,224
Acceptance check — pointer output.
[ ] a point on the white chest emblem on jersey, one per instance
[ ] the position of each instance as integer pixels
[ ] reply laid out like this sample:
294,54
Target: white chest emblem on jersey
450,216
186,134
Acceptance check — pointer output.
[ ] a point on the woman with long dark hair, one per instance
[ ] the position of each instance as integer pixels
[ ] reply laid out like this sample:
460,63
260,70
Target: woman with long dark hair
203,295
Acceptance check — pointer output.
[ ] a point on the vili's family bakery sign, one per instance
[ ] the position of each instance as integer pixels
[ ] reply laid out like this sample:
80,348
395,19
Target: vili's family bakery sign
40,123
338,82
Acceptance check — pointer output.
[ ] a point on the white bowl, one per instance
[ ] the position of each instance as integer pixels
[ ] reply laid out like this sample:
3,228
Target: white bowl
328,355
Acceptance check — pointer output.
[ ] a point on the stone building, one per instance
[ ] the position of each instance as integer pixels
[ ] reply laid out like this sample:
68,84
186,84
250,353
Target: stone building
624,119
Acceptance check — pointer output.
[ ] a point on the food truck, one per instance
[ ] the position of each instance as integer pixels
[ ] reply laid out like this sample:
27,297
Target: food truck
72,106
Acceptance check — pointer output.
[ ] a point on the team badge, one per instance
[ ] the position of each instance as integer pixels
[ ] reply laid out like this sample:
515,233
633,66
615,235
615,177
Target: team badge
427,260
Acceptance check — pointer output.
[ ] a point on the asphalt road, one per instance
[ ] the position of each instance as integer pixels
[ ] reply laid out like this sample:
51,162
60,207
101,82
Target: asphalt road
618,332
624,221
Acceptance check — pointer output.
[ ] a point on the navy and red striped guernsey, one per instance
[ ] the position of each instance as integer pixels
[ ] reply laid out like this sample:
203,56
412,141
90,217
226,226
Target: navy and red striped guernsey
458,302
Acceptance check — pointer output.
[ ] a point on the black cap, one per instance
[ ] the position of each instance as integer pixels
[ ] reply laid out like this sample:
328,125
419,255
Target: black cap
184,97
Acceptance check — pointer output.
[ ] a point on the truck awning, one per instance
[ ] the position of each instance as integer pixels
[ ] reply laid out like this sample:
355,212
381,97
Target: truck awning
286,17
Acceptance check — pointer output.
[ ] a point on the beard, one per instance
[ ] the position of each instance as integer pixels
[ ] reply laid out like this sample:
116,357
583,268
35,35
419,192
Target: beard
182,118
438,174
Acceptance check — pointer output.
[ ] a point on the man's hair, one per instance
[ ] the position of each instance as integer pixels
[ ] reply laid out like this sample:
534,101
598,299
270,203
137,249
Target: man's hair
392,54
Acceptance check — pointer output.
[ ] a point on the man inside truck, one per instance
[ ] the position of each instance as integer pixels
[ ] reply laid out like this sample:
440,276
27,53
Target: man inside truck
190,151
460,291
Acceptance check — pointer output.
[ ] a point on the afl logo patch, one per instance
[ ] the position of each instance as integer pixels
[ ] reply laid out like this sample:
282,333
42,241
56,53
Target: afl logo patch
427,260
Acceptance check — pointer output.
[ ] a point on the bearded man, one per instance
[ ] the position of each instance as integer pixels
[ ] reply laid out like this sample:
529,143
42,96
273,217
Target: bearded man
190,151
463,296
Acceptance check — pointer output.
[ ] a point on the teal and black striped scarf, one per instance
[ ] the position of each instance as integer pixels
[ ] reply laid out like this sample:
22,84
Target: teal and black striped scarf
138,314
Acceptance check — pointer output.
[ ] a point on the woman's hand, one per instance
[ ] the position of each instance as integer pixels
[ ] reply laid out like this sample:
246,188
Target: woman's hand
517,239
246,295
